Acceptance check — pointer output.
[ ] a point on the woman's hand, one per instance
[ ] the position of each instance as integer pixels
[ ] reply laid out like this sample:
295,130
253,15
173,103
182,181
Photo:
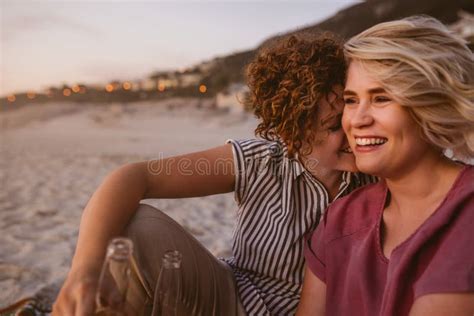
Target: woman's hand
77,295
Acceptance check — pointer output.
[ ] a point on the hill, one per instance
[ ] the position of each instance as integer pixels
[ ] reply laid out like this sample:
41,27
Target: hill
345,23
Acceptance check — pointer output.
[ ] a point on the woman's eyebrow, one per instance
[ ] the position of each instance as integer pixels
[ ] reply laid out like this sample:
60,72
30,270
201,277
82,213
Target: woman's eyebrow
370,91
377,90
349,92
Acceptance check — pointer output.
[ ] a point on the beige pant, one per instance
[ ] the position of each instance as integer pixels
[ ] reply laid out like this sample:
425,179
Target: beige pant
208,286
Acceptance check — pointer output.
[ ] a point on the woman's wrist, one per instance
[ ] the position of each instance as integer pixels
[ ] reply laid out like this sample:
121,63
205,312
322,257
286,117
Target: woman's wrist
89,268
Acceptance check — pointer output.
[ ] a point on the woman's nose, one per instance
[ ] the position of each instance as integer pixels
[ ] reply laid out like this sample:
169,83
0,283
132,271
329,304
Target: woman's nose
361,116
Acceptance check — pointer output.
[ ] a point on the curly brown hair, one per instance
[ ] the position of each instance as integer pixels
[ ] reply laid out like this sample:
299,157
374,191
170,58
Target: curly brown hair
287,79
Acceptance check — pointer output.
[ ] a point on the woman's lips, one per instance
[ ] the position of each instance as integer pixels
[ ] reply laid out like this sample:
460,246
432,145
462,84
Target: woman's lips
368,148
366,144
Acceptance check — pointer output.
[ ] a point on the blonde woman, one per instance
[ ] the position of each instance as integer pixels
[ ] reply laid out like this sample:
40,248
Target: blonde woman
403,246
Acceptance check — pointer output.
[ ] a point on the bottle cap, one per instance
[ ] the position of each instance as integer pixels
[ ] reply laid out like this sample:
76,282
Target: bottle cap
120,248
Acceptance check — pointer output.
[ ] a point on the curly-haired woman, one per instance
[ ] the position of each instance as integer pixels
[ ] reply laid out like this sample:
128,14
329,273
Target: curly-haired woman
282,184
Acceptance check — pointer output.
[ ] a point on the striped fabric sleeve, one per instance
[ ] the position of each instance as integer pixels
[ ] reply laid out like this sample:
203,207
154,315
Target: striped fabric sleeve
250,157
367,179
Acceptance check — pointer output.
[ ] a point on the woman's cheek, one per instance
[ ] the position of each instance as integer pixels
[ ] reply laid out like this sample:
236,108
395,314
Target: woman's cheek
336,139
345,121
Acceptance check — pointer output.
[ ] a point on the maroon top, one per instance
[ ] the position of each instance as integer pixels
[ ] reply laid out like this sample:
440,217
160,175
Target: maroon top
345,252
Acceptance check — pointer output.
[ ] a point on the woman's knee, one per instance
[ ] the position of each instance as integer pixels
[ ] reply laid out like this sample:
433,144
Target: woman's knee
146,229
145,220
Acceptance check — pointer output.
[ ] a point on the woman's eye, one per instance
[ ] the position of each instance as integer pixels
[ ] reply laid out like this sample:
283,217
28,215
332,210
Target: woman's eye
381,99
349,101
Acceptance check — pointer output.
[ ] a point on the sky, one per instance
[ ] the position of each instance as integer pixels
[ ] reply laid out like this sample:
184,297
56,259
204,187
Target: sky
53,42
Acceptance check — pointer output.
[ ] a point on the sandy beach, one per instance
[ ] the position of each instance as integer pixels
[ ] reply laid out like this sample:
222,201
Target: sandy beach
54,156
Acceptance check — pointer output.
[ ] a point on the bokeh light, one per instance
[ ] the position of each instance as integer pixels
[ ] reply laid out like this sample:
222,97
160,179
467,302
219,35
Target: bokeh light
161,87
67,92
127,85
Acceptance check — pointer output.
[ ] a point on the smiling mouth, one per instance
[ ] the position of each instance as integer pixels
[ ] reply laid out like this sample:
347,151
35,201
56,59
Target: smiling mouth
370,141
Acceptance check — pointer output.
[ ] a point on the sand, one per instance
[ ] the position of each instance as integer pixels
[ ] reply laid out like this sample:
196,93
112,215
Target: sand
53,157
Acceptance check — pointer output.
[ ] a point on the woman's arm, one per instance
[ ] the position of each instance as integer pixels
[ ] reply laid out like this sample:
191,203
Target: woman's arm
114,203
313,296
444,304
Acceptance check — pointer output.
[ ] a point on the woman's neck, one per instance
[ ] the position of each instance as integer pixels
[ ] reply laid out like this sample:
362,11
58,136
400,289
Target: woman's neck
425,184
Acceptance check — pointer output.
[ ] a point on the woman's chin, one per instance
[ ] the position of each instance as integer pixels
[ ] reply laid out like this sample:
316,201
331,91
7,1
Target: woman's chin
368,169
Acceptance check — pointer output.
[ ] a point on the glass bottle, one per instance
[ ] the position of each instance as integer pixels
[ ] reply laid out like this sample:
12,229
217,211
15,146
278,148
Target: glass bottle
169,283
114,278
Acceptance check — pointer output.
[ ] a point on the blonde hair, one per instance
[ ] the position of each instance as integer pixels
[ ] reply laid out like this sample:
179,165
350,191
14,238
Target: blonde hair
427,69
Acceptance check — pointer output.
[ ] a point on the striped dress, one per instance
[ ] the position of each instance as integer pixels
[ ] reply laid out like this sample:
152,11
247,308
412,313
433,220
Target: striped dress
279,203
